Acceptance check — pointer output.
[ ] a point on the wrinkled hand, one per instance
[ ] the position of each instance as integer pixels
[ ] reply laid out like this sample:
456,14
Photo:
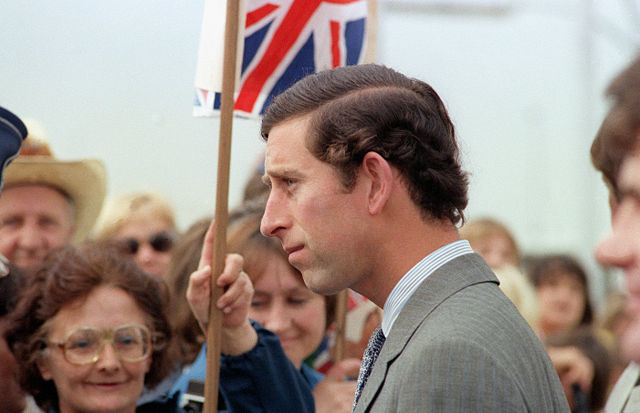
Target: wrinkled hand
333,393
573,367
238,336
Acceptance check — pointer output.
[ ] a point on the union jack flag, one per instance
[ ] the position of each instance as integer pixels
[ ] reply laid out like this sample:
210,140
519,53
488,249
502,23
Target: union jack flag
285,40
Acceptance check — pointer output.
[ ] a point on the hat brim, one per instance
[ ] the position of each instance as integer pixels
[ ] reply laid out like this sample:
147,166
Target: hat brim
83,180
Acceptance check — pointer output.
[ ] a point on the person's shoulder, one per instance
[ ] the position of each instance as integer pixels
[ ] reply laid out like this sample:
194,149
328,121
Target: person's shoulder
312,376
477,318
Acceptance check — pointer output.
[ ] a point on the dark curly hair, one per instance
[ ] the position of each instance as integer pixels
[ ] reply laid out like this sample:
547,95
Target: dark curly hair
69,274
371,108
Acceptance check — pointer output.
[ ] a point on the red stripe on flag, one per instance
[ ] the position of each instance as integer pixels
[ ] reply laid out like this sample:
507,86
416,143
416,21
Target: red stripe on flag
335,43
284,37
259,13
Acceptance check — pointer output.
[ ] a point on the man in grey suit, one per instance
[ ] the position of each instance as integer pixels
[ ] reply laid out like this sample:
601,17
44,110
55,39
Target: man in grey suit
366,193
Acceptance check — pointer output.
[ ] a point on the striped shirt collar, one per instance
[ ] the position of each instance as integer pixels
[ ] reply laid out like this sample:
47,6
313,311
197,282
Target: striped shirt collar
410,282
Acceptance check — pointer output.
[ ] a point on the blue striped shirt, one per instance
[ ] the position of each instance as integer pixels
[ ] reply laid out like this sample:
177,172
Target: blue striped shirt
410,282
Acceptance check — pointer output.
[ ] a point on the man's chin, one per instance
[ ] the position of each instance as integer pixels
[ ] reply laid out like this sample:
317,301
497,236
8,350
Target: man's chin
318,283
630,341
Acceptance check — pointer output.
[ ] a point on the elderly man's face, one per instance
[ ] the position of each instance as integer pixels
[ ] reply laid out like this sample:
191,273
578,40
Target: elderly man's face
621,248
33,220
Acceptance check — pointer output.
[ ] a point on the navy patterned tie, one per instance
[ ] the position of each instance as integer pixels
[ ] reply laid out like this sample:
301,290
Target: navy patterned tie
368,358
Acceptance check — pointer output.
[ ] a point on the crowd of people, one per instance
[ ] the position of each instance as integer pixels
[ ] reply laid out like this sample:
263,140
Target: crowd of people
106,308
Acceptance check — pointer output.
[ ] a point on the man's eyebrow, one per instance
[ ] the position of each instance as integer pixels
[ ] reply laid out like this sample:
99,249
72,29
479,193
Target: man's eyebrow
278,174
266,180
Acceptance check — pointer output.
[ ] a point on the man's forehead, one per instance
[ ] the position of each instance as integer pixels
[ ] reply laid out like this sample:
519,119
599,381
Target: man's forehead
286,142
18,200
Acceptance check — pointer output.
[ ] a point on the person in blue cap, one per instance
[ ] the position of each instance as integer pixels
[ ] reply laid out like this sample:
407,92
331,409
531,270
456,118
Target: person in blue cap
12,132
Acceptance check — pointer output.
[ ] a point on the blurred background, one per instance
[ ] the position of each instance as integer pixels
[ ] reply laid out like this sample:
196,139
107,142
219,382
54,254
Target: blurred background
523,80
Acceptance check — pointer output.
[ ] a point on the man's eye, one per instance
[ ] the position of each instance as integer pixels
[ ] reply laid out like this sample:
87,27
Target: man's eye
48,222
290,182
10,222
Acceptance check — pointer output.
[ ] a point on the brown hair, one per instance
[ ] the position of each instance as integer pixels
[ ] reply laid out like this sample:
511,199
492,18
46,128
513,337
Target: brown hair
65,276
618,134
486,228
184,260
548,266
255,188
371,108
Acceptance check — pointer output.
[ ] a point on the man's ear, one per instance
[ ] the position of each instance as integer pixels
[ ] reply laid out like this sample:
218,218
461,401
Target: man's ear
381,177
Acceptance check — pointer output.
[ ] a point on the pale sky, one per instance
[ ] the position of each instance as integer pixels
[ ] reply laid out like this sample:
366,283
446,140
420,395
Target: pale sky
524,87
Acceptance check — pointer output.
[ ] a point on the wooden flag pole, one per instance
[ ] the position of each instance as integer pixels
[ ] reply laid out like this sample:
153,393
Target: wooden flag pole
342,301
221,212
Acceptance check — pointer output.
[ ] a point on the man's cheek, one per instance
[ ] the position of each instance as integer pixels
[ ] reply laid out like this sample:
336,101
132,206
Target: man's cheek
630,341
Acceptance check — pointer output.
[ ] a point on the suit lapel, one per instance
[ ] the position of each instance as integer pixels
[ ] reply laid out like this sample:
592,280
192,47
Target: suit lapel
453,276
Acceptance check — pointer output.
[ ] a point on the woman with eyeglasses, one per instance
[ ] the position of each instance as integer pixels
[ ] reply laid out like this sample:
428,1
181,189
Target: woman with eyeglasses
144,224
90,331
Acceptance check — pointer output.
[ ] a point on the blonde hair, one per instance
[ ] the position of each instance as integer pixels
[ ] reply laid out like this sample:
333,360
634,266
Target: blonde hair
517,287
487,228
132,207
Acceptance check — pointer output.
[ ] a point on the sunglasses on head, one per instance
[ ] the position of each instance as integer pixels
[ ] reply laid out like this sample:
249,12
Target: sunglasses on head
160,242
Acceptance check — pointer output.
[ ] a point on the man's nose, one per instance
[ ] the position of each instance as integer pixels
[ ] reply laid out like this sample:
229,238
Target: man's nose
30,236
616,249
273,219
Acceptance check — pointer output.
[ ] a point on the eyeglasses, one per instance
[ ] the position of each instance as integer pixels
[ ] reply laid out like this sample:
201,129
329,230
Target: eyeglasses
130,342
160,242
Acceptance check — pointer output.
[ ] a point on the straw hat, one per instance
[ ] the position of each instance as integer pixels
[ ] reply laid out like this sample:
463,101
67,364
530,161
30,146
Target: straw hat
84,181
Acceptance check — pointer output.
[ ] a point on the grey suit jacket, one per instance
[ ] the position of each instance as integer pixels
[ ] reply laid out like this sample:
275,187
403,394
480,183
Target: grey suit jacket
460,345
